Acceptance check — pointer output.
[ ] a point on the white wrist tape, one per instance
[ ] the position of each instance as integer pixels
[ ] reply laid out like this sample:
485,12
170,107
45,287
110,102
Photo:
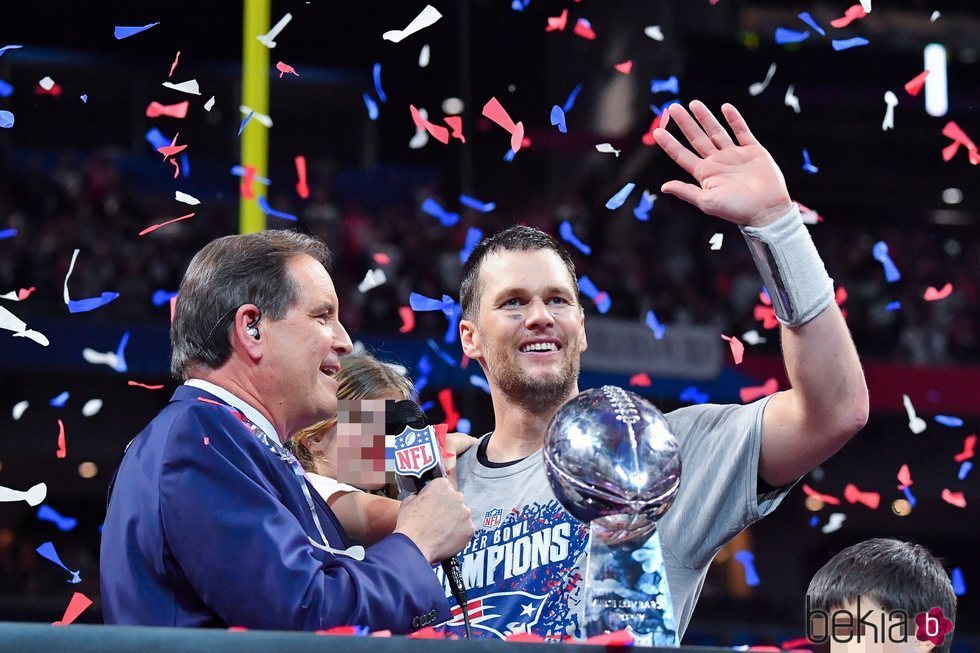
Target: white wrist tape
791,268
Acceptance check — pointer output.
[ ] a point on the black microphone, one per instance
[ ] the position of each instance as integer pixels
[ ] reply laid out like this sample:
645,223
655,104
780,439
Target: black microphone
418,460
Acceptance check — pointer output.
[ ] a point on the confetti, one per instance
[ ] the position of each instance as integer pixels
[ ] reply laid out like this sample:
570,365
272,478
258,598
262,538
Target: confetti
245,188
752,337
584,29
791,100
891,101
125,32
78,604
262,118
893,306
949,420
154,227
607,148
916,424
143,385
269,38
934,17
641,380
91,407
904,477
209,104
84,99
60,400
10,322
624,67
438,132
408,319
6,90
642,210
746,559
4,49
853,495
570,100
33,496
784,35
496,113
62,451
179,110
932,295
18,295
477,205
959,584
693,395
64,524
654,32
852,13
190,87
668,85
456,125
620,197
654,325
173,65
372,106
959,137
758,87
914,85
47,551
880,253
241,127
6,119
302,189
834,522
372,280
751,393
568,235
738,349
172,148
909,497
847,44
446,401
268,210
480,382
601,300
84,305
808,19
446,218
376,74
558,119
826,498
285,69
969,443
19,408
424,56
954,498
473,238
964,470
426,17
807,166
557,23
716,241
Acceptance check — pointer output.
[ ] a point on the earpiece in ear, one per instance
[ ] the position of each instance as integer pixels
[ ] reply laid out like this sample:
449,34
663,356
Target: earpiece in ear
252,331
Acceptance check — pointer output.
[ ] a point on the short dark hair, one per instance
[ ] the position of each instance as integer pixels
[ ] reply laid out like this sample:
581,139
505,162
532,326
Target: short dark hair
224,275
513,239
894,574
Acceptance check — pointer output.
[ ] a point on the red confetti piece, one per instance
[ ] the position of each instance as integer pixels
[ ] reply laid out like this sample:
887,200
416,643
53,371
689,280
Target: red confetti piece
173,307
953,131
381,258
738,349
642,379
176,168
840,296
804,210
618,638
914,85
248,179
76,606
826,498
284,68
446,401
495,112
456,124
54,91
437,132
179,110
154,227
854,12
207,441
143,385
752,393
968,444
302,189
904,477
624,67
954,498
62,447
557,24
584,29
408,319
174,64
24,293
524,637
426,633
932,294
339,630
648,138
442,430
800,642
237,629
766,315
380,633
854,495
173,148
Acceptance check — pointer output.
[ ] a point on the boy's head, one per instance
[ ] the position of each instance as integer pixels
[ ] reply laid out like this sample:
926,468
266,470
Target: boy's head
886,577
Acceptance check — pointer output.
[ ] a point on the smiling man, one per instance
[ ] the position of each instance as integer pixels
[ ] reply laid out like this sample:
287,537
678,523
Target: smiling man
211,520
522,321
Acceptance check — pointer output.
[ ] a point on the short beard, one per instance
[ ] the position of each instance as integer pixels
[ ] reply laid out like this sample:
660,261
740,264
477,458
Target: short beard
536,395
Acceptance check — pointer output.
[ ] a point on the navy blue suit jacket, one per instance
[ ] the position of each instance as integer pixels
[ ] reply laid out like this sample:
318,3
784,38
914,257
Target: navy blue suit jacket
206,526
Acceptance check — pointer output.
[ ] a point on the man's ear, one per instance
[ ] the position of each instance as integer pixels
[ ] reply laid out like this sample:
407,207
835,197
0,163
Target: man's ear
469,338
582,338
247,318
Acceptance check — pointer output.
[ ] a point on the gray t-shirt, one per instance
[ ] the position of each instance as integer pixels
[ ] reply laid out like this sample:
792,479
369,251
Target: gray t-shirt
525,565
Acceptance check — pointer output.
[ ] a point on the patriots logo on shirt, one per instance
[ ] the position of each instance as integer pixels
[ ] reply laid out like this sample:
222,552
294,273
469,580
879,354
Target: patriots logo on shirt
415,451
487,612
492,518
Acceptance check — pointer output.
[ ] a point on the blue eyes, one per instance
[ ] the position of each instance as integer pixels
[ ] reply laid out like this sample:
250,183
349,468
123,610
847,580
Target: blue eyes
554,301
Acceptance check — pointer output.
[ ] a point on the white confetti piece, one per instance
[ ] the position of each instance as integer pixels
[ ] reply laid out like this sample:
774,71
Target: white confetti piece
654,32
916,424
19,409
752,337
262,118
190,87
34,496
91,407
372,279
716,241
10,322
758,87
209,104
269,38
185,198
607,148
47,83
834,522
426,17
424,56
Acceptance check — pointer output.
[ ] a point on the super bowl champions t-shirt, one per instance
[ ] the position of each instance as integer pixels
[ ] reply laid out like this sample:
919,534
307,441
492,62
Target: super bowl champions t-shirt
524,567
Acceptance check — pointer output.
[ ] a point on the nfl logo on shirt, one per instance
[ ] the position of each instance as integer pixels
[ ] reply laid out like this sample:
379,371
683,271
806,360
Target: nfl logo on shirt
415,451
492,518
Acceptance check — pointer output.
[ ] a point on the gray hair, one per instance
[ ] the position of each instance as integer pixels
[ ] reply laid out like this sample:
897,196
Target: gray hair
224,275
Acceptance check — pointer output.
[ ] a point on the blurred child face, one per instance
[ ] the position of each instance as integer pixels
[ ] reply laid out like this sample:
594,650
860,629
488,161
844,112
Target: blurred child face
360,442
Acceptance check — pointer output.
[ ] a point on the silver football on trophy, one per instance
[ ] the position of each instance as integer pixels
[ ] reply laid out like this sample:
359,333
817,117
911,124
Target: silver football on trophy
612,461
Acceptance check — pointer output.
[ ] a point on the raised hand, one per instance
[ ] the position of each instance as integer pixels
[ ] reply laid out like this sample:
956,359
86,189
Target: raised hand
740,183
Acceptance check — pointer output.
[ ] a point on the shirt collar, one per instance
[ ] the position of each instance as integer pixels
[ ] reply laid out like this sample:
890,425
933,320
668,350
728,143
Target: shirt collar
247,409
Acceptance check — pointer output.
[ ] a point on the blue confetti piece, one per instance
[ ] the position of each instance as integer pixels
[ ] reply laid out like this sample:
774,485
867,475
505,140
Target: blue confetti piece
668,85
7,233
161,297
372,107
949,420
452,329
814,521
893,306
663,107
420,382
747,560
642,210
84,99
808,19
427,406
6,119
603,302
185,166
6,90
9,47
587,287
446,218
570,102
155,138
558,118
477,205
784,35
880,253
619,198
964,470
959,583
239,171
473,238
439,352
519,5
655,326
480,382
909,496
846,44
509,155
64,524
377,83
90,304
463,425
421,303
807,166
268,210
424,365
120,365
59,401
693,395
765,295
241,127
565,231
125,32
47,551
